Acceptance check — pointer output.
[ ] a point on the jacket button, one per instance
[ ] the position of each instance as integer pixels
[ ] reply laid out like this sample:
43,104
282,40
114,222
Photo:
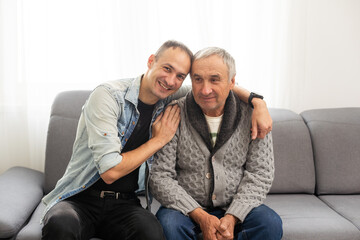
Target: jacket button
133,123
208,175
213,197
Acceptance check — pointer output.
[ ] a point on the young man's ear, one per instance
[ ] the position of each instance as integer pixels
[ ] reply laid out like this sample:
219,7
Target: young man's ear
151,61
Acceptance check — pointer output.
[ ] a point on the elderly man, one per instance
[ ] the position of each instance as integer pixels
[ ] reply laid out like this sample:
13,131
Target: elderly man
212,177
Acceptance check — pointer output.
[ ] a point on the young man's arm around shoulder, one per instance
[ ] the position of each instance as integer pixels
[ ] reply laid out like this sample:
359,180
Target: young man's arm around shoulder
261,119
101,113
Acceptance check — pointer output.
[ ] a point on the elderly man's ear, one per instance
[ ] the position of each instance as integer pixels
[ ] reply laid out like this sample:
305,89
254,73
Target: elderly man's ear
232,82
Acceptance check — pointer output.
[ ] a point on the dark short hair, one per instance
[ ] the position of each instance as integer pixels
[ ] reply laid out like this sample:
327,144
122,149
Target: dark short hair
173,44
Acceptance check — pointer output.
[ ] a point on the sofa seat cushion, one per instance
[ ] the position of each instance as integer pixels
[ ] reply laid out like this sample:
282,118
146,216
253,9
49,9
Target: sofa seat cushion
32,230
347,206
306,217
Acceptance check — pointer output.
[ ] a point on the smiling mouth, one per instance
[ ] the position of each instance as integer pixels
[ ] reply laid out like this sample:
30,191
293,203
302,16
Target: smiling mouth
163,86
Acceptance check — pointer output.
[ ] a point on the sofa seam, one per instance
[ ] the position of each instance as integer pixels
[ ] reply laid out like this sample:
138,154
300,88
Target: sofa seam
331,206
294,120
324,121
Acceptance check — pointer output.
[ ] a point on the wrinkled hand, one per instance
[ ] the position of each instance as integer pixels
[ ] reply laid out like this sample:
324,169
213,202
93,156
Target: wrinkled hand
165,125
226,229
210,225
261,120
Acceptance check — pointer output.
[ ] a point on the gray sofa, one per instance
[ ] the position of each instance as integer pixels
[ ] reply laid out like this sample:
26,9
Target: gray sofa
316,190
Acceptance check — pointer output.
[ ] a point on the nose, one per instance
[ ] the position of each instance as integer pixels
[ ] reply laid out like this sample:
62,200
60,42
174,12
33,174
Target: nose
171,80
206,88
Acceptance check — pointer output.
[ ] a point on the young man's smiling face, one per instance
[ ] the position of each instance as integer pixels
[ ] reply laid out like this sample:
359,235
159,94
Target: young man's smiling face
166,73
211,84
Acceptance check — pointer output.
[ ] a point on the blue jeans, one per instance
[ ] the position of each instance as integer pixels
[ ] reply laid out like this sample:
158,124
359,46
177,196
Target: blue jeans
261,223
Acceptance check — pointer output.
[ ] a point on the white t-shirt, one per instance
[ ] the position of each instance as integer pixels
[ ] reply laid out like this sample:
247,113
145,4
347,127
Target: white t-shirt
214,126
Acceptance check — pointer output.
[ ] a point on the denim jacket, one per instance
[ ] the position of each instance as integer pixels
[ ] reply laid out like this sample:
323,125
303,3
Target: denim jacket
107,121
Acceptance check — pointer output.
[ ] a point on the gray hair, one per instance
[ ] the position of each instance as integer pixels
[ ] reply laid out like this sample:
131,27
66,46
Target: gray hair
173,44
226,57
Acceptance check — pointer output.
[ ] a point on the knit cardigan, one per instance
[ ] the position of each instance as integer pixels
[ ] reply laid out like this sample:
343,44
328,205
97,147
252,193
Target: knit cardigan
235,174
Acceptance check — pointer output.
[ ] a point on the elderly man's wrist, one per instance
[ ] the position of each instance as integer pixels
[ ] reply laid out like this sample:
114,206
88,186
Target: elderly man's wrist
258,102
197,215
234,219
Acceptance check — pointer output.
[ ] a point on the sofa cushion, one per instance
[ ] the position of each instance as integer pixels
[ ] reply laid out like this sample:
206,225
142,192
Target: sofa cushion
347,206
32,230
335,135
306,217
21,190
64,118
294,165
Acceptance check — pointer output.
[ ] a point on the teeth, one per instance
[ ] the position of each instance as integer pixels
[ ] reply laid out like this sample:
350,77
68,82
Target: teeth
164,86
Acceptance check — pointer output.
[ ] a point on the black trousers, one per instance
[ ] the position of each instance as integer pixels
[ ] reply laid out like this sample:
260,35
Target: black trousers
83,217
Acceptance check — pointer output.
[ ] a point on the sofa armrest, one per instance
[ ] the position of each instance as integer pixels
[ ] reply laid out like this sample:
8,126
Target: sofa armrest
21,190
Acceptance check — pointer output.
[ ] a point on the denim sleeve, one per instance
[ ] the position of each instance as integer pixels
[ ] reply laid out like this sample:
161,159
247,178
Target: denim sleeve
101,113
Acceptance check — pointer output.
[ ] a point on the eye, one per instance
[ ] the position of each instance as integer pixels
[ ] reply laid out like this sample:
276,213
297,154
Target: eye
167,69
181,77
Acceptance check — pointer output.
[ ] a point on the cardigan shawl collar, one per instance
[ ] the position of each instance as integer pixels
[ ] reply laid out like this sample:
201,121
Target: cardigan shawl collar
230,121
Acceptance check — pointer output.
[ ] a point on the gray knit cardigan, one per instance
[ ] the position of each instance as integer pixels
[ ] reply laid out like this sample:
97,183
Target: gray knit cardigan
235,174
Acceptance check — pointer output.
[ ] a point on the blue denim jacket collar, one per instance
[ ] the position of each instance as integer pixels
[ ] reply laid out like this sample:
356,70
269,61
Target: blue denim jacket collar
132,94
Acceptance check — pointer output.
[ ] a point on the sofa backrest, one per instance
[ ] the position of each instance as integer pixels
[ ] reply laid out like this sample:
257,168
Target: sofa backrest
335,137
63,122
294,164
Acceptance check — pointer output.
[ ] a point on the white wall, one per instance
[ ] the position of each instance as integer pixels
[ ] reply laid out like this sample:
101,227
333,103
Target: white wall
319,61
332,55
320,67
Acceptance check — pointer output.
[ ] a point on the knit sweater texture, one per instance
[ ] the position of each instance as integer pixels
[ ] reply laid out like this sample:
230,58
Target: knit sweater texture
236,174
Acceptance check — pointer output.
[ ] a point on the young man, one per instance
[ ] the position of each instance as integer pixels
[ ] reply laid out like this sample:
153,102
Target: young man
122,124
212,176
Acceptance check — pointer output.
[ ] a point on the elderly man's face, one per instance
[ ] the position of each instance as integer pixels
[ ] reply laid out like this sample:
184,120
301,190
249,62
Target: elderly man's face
210,84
